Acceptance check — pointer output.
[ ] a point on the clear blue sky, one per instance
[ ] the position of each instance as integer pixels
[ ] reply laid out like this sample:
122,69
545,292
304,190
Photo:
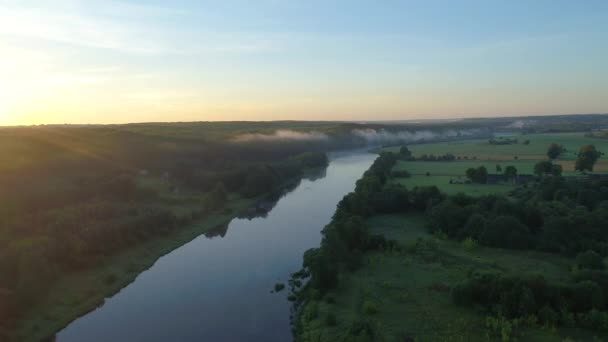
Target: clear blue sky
100,61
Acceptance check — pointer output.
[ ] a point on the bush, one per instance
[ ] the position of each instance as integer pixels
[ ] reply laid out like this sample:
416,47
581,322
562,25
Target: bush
401,174
469,244
590,260
369,307
501,327
311,311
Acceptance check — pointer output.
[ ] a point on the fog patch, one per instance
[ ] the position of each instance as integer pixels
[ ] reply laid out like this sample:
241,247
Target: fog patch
383,136
283,135
520,123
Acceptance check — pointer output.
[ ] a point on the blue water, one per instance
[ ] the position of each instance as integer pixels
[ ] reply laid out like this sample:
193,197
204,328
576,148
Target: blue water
219,289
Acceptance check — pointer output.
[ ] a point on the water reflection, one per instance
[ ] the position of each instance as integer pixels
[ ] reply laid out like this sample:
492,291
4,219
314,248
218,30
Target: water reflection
219,289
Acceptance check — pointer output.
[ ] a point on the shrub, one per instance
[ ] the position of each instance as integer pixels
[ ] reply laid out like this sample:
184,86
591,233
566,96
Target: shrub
369,307
469,244
590,260
501,327
311,311
401,174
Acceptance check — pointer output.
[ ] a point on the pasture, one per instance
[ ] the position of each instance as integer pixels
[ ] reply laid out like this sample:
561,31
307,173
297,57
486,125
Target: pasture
477,152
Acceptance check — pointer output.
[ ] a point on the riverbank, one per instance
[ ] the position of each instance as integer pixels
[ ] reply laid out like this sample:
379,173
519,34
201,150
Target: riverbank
80,293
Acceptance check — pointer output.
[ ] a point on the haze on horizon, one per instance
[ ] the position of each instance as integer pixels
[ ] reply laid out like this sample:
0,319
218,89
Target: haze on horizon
94,61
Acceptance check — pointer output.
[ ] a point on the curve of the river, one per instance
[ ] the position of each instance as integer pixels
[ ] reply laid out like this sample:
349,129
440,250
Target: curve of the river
219,289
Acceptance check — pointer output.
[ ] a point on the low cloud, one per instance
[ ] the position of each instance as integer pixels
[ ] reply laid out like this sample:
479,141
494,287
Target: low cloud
520,123
283,135
384,136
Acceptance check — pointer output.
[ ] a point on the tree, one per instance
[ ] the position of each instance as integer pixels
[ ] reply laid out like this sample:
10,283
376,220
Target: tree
478,175
543,168
556,170
510,172
470,173
547,168
405,152
498,168
554,150
506,231
587,156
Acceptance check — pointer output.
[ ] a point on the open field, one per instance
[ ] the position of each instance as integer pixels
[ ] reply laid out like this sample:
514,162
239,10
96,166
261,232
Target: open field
409,291
536,150
440,174
480,153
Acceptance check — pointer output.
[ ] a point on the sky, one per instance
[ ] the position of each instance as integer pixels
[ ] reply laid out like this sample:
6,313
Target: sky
111,61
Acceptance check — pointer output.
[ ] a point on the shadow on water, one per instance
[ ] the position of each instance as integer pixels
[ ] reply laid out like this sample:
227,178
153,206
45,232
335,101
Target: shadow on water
262,207
219,289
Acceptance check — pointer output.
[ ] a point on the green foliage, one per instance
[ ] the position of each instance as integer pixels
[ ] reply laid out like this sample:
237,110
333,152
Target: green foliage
505,329
547,168
477,175
369,307
330,319
469,244
405,152
587,157
312,159
510,171
590,260
400,174
555,150
311,311
278,287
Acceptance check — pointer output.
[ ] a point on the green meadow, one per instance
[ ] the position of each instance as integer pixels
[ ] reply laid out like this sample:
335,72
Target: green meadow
479,152
406,294
535,150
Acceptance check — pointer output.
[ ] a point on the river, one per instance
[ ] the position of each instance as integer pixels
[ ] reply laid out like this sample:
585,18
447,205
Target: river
219,289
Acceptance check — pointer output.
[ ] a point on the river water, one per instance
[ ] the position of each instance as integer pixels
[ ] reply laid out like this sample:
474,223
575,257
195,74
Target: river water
219,288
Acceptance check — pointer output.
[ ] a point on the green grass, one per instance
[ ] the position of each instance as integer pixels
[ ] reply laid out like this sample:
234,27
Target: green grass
535,151
440,172
412,293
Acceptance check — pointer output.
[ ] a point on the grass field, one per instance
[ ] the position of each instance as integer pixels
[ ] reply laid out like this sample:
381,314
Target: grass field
534,151
481,153
409,291
440,174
